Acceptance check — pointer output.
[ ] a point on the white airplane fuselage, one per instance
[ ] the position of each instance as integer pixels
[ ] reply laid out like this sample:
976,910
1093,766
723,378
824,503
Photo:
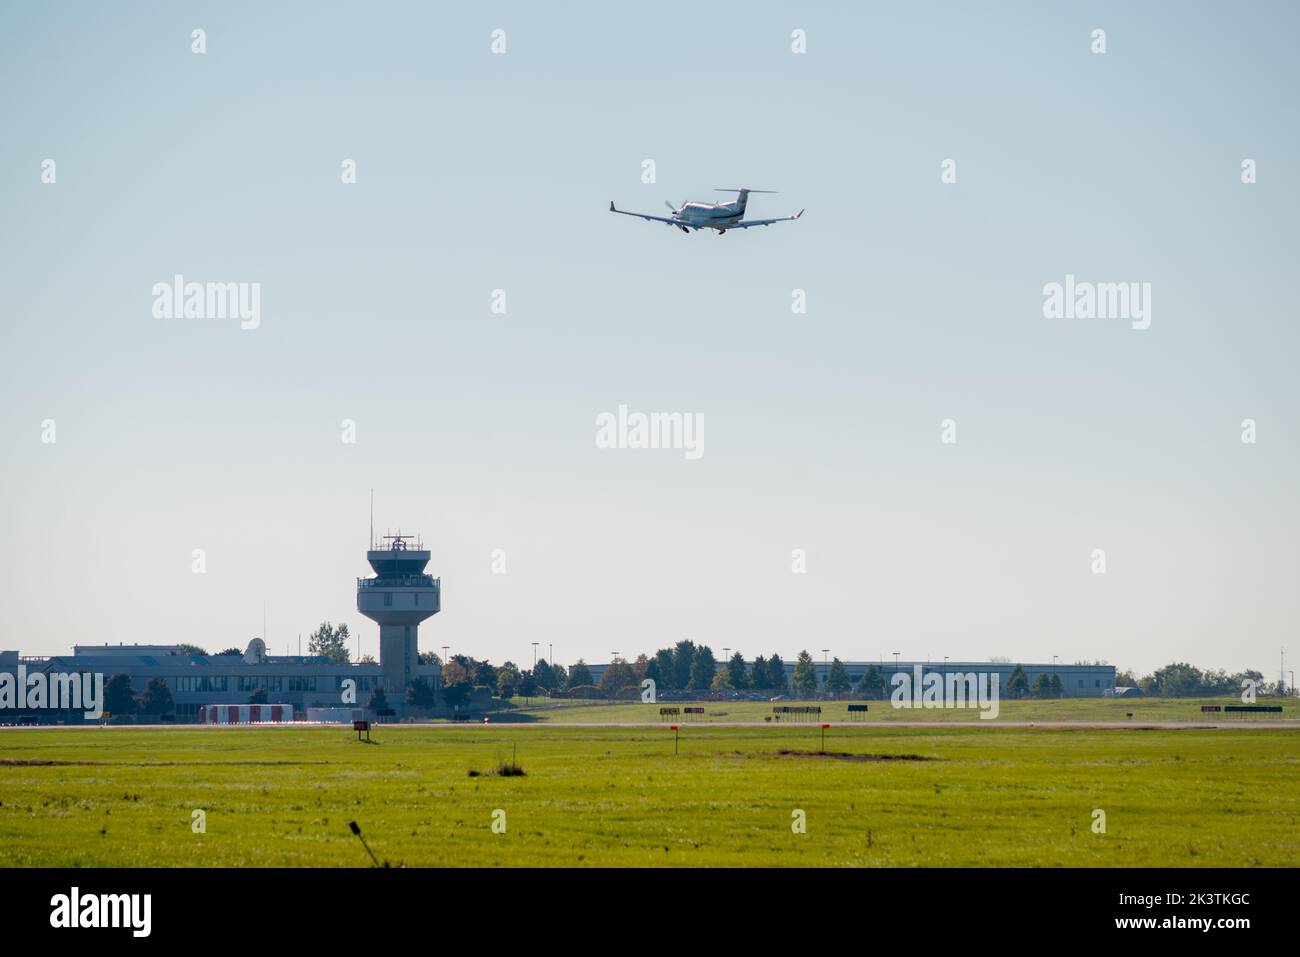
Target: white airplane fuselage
710,215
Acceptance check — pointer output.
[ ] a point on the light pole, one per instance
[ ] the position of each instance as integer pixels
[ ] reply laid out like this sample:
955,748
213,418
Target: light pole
826,670
896,661
534,674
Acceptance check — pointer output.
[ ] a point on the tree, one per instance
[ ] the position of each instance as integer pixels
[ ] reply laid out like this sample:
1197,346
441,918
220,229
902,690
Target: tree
758,674
508,679
527,685
837,679
457,693
157,697
544,675
561,678
1178,680
1018,683
664,665
872,684
485,675
419,694
683,661
453,673
736,672
805,676
702,668
230,651
185,649
1125,679
1057,689
652,672
1216,682
579,674
722,680
259,696
618,674
429,658
118,696
378,700
330,642
1043,685
776,679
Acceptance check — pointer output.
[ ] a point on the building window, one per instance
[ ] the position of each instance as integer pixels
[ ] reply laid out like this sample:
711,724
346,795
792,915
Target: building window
388,598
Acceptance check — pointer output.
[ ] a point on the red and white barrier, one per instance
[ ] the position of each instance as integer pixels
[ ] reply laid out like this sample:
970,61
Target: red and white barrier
245,713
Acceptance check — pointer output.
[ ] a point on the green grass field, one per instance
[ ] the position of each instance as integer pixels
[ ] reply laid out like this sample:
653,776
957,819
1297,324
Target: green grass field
610,796
1065,709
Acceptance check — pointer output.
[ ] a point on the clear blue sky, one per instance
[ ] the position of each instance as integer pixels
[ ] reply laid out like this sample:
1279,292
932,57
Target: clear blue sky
478,172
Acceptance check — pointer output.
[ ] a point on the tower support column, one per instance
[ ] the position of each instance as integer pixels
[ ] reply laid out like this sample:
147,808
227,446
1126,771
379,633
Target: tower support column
398,657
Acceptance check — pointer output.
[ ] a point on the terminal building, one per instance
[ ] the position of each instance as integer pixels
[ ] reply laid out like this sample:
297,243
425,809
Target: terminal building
195,680
397,597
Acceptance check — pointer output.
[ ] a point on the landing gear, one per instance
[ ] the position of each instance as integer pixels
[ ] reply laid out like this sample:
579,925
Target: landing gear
685,230
722,232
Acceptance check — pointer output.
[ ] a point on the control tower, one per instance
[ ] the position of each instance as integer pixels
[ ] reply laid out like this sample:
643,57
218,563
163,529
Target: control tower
398,598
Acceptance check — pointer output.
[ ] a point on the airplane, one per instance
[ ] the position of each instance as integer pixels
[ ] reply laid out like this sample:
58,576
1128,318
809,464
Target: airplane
720,216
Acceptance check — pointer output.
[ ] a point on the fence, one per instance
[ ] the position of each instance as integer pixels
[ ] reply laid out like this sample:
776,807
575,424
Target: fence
797,712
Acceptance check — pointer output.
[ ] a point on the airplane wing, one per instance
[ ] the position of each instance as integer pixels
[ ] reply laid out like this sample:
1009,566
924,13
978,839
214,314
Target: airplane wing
746,223
646,216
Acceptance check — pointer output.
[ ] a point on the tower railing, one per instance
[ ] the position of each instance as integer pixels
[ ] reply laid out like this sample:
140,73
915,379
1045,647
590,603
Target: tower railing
401,581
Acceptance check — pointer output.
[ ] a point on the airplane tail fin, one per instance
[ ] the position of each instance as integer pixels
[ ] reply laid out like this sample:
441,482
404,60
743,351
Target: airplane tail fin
743,194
